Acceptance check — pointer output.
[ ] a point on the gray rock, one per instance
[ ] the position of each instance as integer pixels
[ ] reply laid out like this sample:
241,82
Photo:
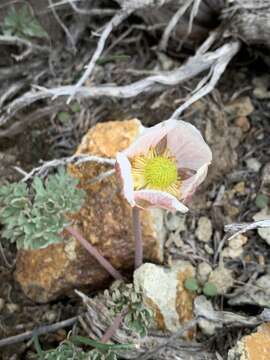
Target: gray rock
175,222
203,271
264,233
204,230
261,84
164,293
222,279
257,294
253,164
204,308
235,247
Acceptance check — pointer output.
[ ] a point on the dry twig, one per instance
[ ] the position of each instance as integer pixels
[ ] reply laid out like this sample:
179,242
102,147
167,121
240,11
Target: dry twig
30,47
242,228
171,25
63,26
208,83
217,60
75,159
113,23
38,331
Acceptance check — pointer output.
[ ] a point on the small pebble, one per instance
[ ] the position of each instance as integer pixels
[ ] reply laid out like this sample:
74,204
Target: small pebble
203,271
228,252
239,188
208,249
222,279
238,241
175,222
240,107
12,308
253,164
50,316
204,229
243,123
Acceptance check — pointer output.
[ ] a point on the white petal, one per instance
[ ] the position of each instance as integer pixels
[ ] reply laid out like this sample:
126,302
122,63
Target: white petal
123,169
150,137
159,199
188,146
190,185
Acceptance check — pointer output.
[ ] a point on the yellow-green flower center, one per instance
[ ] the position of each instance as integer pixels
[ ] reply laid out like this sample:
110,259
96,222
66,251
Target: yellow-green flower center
156,171
160,172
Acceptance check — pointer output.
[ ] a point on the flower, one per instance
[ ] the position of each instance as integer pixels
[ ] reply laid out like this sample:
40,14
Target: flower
164,166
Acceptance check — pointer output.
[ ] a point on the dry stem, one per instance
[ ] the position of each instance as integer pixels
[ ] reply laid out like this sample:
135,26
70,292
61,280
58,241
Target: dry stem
95,253
216,60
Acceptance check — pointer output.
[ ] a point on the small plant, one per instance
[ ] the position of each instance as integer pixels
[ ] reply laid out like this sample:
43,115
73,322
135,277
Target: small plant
123,296
65,351
22,23
209,289
101,351
35,216
262,201
191,284
70,349
65,116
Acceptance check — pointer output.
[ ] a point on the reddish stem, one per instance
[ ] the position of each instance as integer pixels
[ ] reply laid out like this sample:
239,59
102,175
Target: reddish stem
138,237
114,326
95,253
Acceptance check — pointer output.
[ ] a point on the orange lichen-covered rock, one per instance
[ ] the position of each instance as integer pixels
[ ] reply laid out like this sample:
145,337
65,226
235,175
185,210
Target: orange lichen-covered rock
104,220
255,346
164,293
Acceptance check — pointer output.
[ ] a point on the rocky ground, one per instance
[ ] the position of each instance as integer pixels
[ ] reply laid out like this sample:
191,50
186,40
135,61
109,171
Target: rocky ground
235,122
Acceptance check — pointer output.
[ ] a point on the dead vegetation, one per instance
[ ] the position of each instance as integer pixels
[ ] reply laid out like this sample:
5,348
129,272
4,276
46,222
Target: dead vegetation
201,60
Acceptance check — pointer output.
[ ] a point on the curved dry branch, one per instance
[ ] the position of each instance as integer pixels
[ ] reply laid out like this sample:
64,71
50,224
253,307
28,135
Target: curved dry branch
194,66
205,86
114,22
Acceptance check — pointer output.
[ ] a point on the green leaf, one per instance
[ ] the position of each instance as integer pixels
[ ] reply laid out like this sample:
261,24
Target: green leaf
63,116
112,58
75,107
38,186
37,221
138,327
262,201
34,29
210,289
38,347
98,345
191,284
21,23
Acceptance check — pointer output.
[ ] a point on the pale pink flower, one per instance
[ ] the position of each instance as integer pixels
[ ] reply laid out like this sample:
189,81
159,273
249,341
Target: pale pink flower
164,166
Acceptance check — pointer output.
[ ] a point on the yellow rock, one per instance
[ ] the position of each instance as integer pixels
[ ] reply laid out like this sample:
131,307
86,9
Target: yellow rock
255,346
104,220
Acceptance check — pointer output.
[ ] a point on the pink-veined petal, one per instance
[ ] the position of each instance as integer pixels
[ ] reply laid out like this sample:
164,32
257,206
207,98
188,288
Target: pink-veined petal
159,199
123,169
186,143
150,137
189,186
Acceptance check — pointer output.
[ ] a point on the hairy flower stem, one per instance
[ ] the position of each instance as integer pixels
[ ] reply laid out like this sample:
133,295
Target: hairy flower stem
138,237
114,326
95,253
